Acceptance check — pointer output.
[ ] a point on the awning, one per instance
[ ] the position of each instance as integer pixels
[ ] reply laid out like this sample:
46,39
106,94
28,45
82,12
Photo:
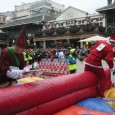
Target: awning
94,38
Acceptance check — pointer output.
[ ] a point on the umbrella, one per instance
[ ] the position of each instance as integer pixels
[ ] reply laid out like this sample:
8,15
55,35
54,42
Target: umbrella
94,38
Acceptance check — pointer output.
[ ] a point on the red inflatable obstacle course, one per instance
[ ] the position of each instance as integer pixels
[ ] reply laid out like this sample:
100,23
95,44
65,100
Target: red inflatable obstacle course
76,110
49,96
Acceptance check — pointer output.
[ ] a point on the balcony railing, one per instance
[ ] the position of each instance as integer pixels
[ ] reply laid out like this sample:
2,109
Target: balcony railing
74,29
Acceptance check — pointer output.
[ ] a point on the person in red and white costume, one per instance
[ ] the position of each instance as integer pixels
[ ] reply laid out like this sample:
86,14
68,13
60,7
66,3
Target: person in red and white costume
100,51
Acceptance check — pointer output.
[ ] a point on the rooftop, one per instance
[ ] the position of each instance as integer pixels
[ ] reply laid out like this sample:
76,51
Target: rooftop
109,7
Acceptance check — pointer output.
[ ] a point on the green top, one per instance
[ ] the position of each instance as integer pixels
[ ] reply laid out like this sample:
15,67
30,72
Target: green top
14,55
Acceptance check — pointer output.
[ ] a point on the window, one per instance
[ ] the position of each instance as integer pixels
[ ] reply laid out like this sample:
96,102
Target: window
97,19
61,24
100,23
4,19
82,21
0,19
79,22
91,20
100,19
67,22
72,22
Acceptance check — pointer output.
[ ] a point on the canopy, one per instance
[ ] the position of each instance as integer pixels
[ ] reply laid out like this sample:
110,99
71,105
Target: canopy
94,38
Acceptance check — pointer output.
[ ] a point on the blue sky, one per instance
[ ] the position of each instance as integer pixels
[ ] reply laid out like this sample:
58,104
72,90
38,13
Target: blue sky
85,5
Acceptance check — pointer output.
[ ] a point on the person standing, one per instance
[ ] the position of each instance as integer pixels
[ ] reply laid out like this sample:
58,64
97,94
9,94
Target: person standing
52,55
82,54
25,57
100,51
30,56
72,66
12,60
61,56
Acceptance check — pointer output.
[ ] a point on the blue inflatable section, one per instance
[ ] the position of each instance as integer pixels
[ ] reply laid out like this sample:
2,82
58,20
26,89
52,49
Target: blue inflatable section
97,104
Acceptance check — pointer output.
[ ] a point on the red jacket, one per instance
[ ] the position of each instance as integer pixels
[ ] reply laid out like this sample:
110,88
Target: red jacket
7,60
100,51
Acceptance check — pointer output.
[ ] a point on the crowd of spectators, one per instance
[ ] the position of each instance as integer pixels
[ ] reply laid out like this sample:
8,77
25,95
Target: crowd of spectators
49,53
60,54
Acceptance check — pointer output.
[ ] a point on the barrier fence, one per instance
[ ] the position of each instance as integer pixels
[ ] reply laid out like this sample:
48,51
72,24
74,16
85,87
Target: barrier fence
53,68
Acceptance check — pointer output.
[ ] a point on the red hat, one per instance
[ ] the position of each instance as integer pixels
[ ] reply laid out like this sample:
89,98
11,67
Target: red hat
112,38
21,40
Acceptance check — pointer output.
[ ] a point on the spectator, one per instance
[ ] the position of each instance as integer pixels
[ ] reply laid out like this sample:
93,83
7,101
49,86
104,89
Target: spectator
30,56
82,54
61,56
38,56
52,55
66,53
72,61
25,57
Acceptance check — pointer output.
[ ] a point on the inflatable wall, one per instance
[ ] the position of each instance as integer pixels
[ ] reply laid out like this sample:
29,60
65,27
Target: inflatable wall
46,97
76,110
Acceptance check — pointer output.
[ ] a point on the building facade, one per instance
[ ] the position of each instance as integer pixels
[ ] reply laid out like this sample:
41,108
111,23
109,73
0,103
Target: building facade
2,19
71,26
38,8
109,12
49,22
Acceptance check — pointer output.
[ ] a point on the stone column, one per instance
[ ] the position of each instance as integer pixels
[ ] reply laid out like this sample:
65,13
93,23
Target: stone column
68,41
55,43
81,44
106,25
44,44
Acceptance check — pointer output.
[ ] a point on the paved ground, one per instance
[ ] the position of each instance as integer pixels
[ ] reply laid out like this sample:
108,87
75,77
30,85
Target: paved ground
80,68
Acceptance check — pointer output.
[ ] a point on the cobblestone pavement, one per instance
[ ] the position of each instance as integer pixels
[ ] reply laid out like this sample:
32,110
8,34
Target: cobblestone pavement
80,68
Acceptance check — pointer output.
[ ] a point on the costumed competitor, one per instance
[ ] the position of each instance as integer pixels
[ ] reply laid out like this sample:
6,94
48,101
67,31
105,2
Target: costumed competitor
100,51
12,60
